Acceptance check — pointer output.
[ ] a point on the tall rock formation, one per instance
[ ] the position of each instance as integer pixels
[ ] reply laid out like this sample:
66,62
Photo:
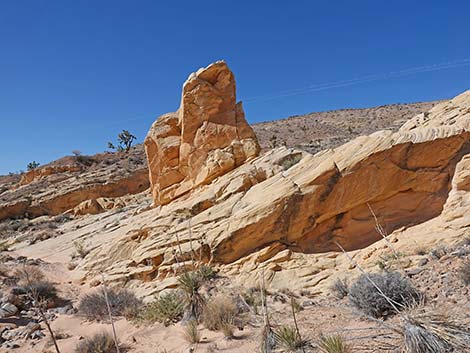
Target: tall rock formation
207,137
283,211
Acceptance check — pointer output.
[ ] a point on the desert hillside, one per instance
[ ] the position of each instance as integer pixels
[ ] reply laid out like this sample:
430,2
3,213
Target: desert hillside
318,131
338,232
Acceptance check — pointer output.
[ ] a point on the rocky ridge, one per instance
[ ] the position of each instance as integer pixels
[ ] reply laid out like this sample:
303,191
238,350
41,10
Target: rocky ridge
318,131
65,184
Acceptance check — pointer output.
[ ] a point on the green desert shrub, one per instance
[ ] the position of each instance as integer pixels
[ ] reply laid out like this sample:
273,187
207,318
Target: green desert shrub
167,309
207,272
252,297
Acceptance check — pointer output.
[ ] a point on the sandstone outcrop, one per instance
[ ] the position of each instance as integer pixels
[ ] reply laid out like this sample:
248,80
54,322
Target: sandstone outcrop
207,137
455,112
284,210
101,204
51,190
42,172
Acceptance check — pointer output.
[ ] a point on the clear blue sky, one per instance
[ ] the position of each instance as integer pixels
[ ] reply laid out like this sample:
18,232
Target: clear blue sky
74,73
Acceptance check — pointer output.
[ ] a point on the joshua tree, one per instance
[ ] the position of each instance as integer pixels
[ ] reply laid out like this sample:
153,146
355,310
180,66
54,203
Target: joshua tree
32,165
125,139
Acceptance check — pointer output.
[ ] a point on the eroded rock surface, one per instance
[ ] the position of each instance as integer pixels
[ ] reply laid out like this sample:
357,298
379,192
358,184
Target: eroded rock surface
54,189
283,211
207,137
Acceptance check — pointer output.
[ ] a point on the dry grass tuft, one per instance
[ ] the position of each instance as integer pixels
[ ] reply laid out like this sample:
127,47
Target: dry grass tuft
4,272
81,250
43,291
191,332
100,343
221,314
4,246
212,348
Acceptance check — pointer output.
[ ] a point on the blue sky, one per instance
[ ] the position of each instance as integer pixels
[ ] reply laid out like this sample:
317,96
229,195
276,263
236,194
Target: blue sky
75,73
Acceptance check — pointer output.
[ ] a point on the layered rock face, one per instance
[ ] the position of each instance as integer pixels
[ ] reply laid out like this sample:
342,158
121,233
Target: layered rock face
51,190
284,210
207,137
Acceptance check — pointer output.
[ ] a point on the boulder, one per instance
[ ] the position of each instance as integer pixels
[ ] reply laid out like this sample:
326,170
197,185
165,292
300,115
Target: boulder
207,137
7,310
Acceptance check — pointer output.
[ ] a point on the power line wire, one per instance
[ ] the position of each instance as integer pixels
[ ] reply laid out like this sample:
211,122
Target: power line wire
363,79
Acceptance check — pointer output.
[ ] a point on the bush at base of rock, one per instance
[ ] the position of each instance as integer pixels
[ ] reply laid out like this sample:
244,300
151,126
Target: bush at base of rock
167,309
365,296
122,302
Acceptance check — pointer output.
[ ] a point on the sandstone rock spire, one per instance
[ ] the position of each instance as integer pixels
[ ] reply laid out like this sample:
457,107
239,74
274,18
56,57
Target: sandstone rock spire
207,137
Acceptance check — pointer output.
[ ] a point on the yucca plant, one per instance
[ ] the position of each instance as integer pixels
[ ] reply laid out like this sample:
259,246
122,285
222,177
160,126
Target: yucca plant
434,333
333,344
289,339
190,282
